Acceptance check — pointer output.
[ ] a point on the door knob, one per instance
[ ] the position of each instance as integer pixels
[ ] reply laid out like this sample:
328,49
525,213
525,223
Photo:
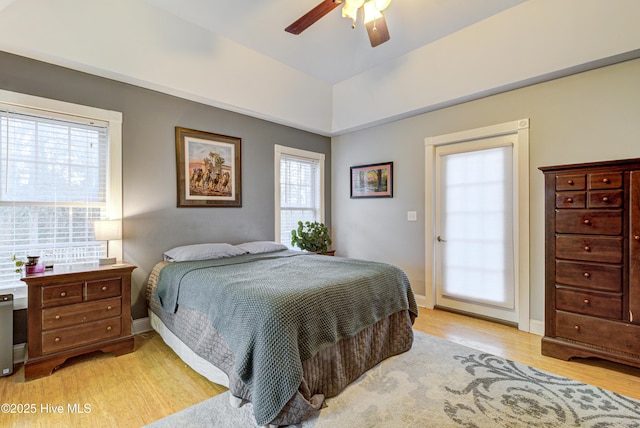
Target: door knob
440,239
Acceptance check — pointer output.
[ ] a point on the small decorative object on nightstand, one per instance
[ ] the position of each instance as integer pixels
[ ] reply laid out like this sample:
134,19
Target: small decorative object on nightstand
77,312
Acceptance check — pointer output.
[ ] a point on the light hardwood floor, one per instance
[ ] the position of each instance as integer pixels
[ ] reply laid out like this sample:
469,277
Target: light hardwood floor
138,388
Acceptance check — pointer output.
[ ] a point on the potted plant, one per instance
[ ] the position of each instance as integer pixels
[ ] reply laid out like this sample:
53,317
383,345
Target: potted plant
313,237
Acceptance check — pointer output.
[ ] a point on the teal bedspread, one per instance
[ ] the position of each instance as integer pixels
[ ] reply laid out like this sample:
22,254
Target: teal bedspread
275,310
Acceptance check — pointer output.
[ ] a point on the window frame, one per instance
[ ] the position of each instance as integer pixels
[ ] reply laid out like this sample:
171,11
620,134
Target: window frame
60,110
306,155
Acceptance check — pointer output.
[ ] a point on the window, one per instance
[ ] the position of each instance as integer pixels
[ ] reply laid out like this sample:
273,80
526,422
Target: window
299,189
58,174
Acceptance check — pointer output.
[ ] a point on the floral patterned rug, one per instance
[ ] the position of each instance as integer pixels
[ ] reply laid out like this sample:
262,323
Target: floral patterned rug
442,384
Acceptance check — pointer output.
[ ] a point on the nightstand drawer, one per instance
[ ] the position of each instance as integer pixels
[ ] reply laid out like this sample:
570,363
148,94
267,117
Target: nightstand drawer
591,276
80,313
594,304
59,295
102,289
75,336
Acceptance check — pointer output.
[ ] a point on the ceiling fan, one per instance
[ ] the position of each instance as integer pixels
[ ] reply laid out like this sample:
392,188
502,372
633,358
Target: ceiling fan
371,10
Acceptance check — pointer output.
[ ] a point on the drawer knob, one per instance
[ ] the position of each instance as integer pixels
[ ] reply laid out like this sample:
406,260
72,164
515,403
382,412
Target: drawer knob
606,181
58,317
587,301
586,221
636,237
109,328
605,199
587,248
104,288
109,307
570,200
570,182
576,327
57,339
63,294
586,274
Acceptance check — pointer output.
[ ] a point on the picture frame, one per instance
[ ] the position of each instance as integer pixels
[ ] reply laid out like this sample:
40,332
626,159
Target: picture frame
209,169
372,180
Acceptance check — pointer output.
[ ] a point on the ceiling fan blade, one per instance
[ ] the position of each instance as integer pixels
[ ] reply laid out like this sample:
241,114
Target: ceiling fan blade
378,31
312,16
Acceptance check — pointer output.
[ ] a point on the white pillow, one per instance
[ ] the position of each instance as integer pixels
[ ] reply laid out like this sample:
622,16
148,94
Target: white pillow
257,247
201,252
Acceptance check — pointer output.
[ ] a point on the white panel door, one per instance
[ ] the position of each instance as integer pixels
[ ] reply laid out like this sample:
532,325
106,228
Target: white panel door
474,227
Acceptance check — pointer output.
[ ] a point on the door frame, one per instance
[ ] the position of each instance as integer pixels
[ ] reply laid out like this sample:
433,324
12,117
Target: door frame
520,130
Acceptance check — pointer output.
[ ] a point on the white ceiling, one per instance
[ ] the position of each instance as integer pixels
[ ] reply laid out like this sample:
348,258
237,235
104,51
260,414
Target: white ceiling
236,55
331,50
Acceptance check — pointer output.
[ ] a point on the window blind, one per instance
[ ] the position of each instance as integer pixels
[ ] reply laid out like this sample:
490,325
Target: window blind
300,194
53,185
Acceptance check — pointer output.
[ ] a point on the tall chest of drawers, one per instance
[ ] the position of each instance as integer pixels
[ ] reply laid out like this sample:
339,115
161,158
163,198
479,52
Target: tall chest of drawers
74,313
592,261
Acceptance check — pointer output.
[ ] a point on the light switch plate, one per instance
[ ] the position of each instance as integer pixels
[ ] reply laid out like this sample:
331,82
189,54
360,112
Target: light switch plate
412,216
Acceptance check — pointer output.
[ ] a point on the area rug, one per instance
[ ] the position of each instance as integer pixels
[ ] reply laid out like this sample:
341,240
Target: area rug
441,384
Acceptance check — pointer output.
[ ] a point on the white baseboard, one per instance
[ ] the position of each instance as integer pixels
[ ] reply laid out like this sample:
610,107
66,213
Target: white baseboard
141,325
536,327
19,353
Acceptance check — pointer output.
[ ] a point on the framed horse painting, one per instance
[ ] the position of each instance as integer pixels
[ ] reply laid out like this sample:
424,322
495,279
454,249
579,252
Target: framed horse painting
209,169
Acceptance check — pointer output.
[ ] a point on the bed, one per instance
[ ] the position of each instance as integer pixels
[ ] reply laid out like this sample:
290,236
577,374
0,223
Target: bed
281,329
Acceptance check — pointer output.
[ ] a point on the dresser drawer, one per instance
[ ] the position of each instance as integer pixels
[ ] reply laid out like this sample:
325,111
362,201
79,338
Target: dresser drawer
571,182
80,313
594,304
59,295
591,276
606,199
600,332
604,249
571,200
597,222
72,337
104,288
605,180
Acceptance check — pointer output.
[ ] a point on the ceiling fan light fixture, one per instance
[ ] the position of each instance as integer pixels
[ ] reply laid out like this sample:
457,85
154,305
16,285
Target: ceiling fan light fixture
350,10
382,4
371,12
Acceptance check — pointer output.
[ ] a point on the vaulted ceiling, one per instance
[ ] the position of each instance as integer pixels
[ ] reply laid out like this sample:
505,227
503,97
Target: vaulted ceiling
236,54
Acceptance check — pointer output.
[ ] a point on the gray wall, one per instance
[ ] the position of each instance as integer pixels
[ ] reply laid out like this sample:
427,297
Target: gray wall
152,222
586,117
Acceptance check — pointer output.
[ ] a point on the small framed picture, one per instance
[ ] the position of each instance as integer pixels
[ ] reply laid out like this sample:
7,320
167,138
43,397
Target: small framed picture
208,169
372,181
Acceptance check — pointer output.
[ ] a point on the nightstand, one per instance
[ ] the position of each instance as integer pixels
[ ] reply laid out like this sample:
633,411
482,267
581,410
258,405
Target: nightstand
74,313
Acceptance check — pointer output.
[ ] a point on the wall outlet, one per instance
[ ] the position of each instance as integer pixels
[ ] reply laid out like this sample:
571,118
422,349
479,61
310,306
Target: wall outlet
412,216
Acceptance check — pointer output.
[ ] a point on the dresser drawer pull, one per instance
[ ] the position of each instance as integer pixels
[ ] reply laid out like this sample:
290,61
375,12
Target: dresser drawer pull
570,182
569,200
576,327
587,248
109,328
586,274
57,340
605,199
636,237
104,288
587,301
586,221
606,181
109,307
63,294
58,317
